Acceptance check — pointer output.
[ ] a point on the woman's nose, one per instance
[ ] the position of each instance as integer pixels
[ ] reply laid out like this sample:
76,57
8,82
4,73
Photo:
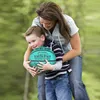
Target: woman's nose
44,26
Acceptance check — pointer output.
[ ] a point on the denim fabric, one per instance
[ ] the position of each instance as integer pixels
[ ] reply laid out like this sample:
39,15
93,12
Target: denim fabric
77,86
41,87
58,88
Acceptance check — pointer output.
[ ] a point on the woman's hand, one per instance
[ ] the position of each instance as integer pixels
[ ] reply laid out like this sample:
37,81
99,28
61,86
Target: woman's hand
26,64
33,71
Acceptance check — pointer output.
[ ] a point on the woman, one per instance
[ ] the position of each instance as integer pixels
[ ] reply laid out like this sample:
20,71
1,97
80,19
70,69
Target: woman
62,29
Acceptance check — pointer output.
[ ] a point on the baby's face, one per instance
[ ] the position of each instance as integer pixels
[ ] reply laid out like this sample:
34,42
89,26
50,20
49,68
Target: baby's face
35,41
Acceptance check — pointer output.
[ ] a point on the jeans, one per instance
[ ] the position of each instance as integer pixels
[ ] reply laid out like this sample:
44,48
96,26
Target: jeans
58,88
77,86
41,87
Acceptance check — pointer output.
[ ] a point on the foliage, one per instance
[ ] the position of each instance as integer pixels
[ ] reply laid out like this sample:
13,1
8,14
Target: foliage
11,53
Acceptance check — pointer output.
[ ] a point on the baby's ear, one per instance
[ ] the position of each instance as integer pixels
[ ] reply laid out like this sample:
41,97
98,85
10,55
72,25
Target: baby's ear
42,37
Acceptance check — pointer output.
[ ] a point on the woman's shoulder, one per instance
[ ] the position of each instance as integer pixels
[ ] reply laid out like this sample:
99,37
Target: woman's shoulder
72,24
68,18
36,21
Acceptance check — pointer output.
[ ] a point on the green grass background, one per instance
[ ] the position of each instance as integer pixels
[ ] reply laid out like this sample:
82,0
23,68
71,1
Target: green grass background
91,59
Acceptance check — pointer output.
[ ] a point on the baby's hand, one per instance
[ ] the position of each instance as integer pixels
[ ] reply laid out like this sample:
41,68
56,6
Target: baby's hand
46,66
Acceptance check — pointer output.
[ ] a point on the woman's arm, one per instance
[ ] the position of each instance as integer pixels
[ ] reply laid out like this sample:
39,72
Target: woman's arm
27,53
76,48
32,71
26,56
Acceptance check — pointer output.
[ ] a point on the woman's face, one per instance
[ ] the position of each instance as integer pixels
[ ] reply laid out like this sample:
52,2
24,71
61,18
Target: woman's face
47,24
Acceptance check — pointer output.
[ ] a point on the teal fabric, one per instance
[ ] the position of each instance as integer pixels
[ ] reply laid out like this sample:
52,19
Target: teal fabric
40,55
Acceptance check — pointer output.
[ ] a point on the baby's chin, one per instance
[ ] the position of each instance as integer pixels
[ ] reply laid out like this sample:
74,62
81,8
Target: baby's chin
35,47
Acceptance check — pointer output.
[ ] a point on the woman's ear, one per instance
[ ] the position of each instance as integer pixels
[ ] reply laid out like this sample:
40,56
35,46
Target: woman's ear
42,37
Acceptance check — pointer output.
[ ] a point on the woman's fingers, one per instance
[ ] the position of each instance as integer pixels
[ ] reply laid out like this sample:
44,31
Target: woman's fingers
33,72
32,68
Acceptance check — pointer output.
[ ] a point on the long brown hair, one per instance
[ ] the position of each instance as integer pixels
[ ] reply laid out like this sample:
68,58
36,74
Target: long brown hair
52,12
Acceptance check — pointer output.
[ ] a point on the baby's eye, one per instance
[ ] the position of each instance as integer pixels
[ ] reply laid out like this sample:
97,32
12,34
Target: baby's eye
33,40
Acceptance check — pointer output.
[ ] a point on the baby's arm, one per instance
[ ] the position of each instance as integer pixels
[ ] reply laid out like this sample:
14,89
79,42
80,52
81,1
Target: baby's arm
48,66
59,57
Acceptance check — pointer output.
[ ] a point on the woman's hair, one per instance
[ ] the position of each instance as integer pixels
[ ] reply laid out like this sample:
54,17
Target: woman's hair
52,12
37,30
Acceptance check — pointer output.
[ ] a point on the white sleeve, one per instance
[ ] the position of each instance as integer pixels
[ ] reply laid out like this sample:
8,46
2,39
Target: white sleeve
57,66
72,25
36,22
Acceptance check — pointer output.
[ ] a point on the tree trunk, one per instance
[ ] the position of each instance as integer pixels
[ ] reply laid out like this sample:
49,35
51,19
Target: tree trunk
26,87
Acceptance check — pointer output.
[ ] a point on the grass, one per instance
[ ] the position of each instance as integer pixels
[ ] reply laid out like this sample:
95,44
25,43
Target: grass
92,84
91,67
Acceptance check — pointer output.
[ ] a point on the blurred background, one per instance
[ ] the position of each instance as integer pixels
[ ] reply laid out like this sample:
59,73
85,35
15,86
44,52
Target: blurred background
16,16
